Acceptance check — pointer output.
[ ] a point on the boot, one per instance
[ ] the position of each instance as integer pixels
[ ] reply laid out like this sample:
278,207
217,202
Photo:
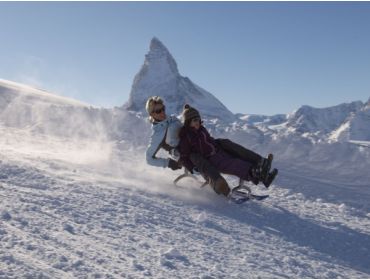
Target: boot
270,178
265,166
220,186
254,175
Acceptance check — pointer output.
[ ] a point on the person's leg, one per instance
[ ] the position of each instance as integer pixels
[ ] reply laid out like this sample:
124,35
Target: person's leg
210,173
260,164
227,164
239,151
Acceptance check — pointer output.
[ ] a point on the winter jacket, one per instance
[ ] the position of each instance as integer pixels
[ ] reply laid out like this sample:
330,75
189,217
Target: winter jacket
165,134
195,141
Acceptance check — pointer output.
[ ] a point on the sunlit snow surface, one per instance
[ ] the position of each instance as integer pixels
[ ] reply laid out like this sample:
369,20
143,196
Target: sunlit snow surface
88,210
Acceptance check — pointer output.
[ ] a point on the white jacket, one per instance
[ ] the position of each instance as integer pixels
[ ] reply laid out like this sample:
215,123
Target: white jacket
172,126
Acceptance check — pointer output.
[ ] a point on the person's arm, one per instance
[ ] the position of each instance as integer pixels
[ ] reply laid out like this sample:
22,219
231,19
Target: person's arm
154,145
185,150
174,127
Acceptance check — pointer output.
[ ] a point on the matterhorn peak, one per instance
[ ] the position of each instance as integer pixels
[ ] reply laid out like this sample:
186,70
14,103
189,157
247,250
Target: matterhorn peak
159,55
156,44
159,76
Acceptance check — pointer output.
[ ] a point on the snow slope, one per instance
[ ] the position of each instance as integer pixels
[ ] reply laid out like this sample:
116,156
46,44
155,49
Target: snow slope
108,215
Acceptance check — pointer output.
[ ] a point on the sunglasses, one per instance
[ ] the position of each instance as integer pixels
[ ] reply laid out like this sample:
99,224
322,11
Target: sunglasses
158,111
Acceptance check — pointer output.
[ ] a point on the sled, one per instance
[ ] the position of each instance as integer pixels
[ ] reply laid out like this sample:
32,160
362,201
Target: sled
241,193
187,174
240,187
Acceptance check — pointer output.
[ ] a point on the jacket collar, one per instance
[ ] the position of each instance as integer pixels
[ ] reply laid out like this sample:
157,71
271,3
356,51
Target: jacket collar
156,125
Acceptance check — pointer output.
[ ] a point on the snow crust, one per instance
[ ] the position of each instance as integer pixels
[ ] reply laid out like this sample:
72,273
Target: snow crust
88,210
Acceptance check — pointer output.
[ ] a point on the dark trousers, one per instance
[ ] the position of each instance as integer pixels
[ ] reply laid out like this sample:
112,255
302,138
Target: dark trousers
239,151
209,171
228,164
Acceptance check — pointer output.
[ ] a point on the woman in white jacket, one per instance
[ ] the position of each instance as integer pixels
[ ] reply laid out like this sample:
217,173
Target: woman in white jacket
165,134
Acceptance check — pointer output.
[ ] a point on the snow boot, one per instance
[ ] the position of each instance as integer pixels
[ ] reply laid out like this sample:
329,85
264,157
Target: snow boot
220,186
265,167
261,171
270,178
255,175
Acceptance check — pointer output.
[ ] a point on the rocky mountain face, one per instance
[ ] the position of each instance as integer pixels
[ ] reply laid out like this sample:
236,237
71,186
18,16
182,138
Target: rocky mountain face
159,76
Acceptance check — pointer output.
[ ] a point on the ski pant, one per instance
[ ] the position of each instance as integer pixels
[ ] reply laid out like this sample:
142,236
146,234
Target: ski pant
234,159
210,174
207,169
204,166
239,151
227,164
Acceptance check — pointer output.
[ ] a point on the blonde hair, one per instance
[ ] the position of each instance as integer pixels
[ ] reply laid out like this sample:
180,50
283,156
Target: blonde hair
150,103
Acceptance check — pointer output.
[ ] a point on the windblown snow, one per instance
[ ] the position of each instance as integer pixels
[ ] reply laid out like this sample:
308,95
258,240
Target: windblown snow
79,201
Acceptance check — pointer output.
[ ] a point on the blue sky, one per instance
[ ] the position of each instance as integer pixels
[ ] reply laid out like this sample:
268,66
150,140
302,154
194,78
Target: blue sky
256,57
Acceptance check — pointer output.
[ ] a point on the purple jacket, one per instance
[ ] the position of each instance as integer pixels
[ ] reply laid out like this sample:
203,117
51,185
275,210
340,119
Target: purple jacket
195,141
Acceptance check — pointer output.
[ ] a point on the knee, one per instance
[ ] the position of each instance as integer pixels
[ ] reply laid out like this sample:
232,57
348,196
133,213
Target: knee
221,186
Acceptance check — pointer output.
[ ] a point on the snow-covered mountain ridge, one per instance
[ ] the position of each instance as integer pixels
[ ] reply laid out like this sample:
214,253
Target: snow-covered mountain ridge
159,75
341,123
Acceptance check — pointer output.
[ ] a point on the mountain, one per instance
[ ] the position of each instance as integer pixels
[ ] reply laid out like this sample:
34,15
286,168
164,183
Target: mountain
160,76
355,127
253,119
341,123
322,120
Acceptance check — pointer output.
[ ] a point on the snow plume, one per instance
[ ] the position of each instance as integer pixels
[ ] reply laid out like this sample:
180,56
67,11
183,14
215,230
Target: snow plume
52,126
52,115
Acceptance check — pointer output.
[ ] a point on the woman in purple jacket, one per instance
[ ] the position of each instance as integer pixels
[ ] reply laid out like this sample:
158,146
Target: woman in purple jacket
194,138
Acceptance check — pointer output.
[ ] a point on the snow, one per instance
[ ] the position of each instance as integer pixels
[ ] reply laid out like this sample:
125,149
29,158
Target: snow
34,93
109,215
79,201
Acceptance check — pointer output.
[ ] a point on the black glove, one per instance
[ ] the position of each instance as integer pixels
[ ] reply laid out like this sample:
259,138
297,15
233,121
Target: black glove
195,171
174,165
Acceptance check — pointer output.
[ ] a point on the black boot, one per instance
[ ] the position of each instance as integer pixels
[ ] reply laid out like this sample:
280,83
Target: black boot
265,166
255,175
270,178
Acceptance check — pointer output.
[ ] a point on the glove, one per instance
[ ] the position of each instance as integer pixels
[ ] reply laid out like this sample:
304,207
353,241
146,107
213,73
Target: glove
195,171
174,165
175,154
